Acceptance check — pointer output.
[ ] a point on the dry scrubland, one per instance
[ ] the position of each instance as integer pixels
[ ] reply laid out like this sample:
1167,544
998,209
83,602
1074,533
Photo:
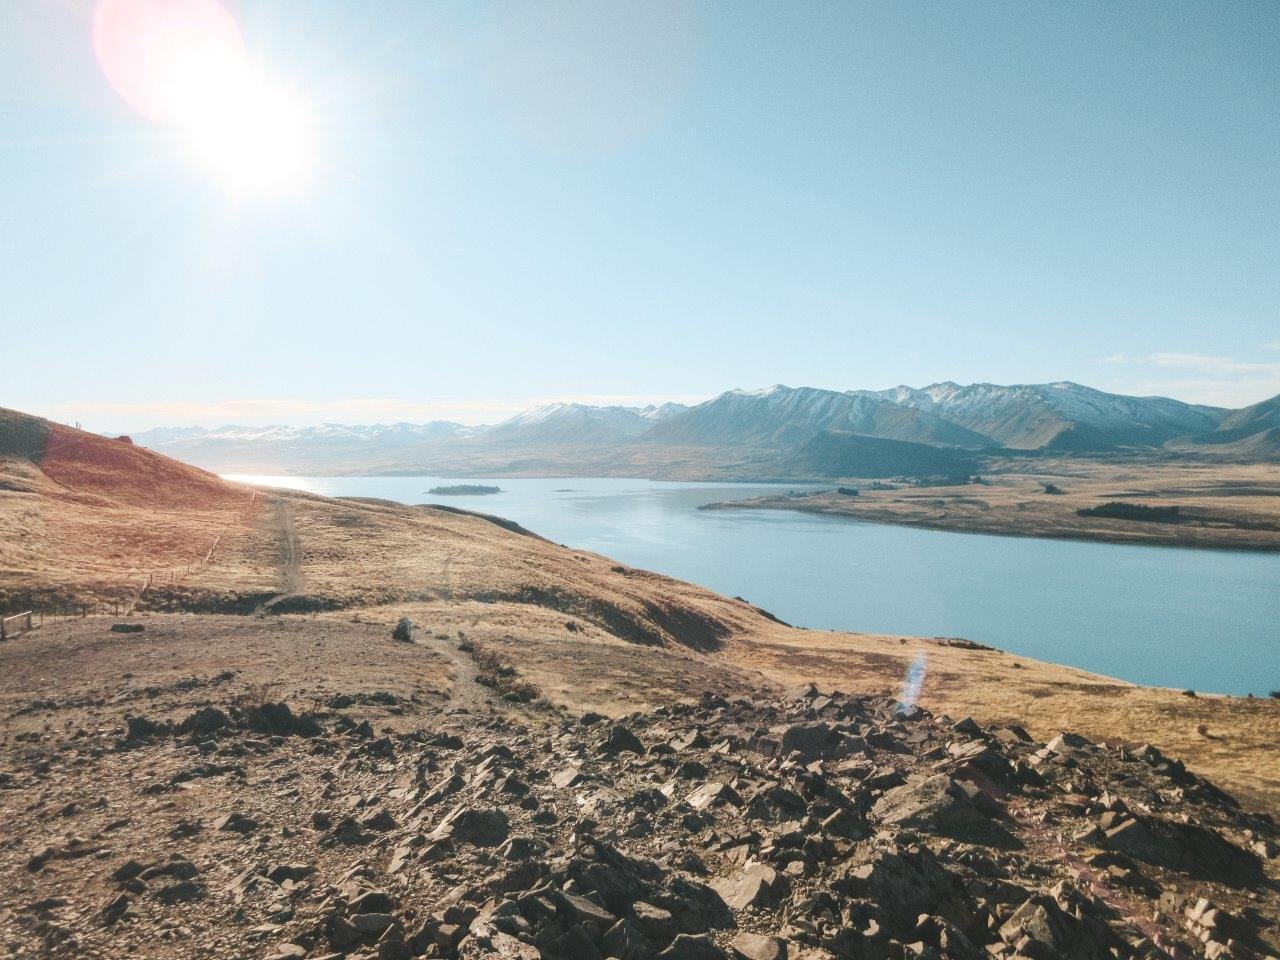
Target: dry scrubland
258,769
1224,506
85,517
418,799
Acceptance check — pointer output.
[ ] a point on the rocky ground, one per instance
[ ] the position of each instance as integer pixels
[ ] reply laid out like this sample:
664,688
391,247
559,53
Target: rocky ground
86,522
468,818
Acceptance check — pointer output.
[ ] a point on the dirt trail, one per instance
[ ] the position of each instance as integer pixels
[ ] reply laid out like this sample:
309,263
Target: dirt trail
291,578
468,692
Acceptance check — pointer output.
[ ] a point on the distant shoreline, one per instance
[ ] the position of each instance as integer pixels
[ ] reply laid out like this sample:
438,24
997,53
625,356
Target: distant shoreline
975,510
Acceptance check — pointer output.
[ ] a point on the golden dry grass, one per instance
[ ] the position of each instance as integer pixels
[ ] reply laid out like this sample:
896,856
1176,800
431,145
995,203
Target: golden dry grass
85,517
591,633
1234,506
1241,752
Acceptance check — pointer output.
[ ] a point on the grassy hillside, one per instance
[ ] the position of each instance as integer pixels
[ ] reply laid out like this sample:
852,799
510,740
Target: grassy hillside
586,630
836,455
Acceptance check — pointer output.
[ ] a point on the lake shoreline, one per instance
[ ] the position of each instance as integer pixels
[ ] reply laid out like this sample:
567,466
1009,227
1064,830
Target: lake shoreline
1134,538
1143,616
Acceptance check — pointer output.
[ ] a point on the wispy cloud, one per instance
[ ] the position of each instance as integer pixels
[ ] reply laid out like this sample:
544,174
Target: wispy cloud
1214,393
137,416
1202,378
1199,361
1273,346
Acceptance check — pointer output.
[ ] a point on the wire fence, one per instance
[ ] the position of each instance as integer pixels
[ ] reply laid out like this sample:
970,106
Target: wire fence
172,575
17,623
65,609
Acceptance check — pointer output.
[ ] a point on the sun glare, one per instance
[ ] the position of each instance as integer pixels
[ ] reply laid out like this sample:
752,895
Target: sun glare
183,63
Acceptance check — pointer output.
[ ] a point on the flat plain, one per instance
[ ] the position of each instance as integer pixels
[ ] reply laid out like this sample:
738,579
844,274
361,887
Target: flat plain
1220,505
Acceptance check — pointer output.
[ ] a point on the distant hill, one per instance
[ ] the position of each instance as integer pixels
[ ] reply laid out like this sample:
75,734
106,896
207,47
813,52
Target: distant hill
1251,432
839,455
381,447
318,449
325,433
576,424
95,469
739,434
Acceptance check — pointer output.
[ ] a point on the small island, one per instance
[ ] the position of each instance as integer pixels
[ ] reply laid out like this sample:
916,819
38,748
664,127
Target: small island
464,490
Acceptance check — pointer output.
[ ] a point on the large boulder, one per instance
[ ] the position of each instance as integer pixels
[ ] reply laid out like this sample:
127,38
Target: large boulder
756,885
906,885
1189,847
1054,932
938,804
478,826
816,741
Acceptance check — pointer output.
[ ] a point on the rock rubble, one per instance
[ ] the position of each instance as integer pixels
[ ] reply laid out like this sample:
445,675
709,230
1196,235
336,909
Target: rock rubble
807,826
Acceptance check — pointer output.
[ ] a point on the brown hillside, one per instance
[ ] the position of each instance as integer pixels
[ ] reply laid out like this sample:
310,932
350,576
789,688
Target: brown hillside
85,517
86,464
81,519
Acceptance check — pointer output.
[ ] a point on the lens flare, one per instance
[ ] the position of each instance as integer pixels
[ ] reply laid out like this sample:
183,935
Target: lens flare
183,63
911,685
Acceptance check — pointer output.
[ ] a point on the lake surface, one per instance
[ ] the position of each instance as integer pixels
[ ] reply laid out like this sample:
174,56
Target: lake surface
1202,619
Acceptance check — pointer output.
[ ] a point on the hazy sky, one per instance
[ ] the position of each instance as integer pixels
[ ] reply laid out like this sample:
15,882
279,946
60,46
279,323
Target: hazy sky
505,203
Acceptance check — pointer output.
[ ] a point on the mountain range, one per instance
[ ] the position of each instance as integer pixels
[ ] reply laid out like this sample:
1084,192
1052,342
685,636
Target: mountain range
777,433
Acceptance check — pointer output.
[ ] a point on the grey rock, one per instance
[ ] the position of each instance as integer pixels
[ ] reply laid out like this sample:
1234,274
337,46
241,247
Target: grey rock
624,941
236,822
757,885
621,739
692,947
479,826
756,946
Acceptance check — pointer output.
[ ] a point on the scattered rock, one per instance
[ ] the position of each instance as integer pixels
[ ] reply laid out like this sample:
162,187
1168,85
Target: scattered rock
757,885
755,946
482,827
236,822
403,631
621,739
813,827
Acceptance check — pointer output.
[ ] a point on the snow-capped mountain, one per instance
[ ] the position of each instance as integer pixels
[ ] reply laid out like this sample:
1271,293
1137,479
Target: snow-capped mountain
319,449
1060,416
756,426
170,439
784,415
662,411
573,424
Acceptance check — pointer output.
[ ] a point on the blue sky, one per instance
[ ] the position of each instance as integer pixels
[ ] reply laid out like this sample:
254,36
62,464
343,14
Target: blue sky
508,203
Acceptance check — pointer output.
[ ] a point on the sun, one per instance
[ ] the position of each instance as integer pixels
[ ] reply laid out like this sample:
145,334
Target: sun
250,135
183,63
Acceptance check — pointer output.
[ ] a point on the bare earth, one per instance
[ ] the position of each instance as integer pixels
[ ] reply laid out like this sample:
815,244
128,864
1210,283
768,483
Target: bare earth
108,750
164,803
593,633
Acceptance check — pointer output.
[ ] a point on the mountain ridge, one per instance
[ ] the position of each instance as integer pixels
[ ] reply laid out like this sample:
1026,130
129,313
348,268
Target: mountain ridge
770,424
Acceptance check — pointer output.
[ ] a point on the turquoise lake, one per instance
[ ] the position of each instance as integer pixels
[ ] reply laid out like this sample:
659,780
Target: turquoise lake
1201,619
